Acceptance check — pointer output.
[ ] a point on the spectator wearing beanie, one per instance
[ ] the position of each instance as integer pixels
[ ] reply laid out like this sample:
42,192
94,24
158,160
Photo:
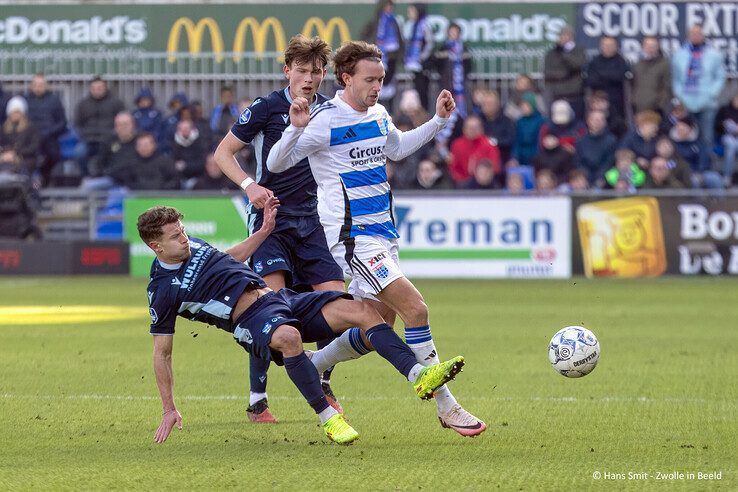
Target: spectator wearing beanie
527,129
18,134
564,125
147,116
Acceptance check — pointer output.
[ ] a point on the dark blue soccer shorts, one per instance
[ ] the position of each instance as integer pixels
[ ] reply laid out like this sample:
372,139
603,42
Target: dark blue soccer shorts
298,247
254,328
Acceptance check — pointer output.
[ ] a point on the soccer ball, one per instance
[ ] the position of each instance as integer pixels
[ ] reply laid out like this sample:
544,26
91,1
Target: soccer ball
574,351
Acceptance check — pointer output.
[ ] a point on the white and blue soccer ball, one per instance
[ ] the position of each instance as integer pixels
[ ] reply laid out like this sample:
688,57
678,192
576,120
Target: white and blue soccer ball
574,351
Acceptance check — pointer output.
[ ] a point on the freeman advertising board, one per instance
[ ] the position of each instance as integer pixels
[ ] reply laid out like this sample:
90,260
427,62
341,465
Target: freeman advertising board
484,237
647,237
629,22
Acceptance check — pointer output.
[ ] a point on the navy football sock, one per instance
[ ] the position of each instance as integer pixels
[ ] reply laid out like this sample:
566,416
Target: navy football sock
258,374
326,376
302,372
391,347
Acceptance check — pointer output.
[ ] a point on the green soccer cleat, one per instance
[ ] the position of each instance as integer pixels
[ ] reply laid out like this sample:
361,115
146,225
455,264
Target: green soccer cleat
339,431
433,377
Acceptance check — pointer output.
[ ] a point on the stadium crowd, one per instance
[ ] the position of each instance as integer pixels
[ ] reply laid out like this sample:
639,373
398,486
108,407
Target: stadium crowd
600,123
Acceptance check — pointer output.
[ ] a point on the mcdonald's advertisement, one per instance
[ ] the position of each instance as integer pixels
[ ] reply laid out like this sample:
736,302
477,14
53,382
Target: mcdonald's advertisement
646,236
232,30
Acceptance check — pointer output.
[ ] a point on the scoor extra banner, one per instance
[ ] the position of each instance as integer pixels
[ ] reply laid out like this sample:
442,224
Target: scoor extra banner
647,236
221,221
484,237
629,22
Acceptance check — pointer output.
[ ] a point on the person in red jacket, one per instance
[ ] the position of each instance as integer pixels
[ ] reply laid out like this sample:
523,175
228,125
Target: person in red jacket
471,147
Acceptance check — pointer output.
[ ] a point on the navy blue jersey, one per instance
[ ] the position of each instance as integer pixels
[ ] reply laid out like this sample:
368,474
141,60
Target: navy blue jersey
204,288
263,123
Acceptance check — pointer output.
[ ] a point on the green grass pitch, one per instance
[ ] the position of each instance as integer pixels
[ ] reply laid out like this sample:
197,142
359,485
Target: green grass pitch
79,404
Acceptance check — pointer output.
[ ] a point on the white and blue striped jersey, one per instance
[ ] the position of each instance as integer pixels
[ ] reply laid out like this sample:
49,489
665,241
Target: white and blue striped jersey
347,152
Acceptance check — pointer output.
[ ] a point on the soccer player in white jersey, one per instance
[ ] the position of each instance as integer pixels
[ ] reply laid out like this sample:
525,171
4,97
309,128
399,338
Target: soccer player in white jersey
347,140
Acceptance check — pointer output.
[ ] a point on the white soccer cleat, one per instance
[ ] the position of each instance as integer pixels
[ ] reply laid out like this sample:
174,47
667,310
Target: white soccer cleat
462,422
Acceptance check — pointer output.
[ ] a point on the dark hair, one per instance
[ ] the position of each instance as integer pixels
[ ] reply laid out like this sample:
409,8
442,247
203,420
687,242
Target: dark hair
150,222
348,55
307,50
143,135
225,88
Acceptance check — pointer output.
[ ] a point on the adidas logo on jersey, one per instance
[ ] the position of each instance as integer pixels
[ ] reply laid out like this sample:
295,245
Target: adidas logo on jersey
350,133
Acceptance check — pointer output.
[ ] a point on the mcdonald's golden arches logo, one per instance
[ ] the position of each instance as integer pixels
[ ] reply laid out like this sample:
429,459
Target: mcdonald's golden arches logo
260,31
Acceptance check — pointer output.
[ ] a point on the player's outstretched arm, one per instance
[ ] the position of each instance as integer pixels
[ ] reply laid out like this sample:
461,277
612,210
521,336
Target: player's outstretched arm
226,160
243,250
401,144
165,381
299,139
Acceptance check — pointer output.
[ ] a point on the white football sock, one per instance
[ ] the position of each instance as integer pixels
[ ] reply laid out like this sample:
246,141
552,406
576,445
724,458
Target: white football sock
420,342
348,346
254,397
326,414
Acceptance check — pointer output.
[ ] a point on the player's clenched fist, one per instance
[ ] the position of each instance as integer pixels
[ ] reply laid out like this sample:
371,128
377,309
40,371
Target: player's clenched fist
300,112
445,104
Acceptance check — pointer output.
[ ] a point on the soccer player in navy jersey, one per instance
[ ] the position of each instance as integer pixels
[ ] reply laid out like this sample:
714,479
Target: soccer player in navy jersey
191,279
296,253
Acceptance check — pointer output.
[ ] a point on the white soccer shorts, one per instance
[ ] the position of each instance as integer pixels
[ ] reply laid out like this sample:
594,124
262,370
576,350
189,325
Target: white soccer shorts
371,262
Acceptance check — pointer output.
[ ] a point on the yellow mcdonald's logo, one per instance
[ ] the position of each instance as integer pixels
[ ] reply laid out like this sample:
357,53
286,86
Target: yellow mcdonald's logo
325,30
259,33
194,34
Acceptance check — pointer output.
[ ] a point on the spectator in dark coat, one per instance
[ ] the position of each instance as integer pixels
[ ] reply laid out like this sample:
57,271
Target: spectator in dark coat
726,131
608,72
660,175
599,101
430,177
527,129
564,125
213,178
169,126
95,115
554,157
679,167
484,177
685,136
4,98
225,114
562,71
19,135
46,113
497,126
116,155
189,151
651,86
203,125
642,139
147,116
151,170
595,152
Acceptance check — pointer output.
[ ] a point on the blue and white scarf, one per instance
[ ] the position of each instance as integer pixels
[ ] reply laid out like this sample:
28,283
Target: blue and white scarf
458,77
415,48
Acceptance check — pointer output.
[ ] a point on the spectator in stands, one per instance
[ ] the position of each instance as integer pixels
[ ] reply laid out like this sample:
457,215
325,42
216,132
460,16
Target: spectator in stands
726,129
4,98
497,126
19,135
545,181
114,165
189,151
698,77
17,198
627,175
405,170
430,177
595,152
46,114
147,116
411,109
225,114
562,70
651,85
515,184
454,64
685,136
169,126
419,49
598,101
527,130
203,125
564,125
554,157
95,115
472,146
608,72
484,177
213,178
576,182
679,167
523,84
153,171
642,139
384,31
660,175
